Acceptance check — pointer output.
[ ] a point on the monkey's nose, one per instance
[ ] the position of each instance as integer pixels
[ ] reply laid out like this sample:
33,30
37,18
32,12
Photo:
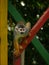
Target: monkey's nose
21,32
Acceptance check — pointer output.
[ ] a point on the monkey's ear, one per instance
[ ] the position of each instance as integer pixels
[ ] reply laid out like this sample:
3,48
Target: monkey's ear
28,25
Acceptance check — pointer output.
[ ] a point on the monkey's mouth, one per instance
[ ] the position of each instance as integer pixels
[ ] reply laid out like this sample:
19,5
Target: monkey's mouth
22,32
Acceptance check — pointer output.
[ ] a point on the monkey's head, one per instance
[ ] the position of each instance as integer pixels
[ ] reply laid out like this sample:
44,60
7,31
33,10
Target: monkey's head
22,29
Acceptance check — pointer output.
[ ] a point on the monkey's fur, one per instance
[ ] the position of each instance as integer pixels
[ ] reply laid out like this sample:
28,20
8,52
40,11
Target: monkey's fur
21,30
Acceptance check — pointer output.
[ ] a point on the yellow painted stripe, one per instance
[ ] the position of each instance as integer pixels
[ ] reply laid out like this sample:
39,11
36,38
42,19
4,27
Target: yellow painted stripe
3,32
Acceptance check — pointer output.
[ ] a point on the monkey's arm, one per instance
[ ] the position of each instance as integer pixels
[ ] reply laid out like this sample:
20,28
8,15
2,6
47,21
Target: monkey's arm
16,47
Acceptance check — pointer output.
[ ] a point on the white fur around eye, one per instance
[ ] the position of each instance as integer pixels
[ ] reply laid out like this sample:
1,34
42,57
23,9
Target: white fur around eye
20,29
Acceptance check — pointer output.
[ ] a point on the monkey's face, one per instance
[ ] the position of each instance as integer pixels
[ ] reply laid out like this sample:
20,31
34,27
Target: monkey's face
20,30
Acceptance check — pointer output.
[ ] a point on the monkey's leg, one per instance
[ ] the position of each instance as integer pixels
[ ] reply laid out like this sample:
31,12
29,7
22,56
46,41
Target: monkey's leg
16,47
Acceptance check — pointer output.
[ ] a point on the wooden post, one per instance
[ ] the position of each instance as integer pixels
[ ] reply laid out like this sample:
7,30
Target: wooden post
23,58
17,61
3,32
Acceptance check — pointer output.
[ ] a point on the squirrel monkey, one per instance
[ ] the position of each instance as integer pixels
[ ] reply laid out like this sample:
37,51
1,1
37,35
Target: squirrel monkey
21,30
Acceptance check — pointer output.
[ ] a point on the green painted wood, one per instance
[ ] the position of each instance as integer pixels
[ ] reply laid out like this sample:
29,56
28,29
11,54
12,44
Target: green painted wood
14,12
42,51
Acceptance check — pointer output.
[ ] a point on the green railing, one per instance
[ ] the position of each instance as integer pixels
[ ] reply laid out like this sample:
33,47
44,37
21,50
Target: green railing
17,16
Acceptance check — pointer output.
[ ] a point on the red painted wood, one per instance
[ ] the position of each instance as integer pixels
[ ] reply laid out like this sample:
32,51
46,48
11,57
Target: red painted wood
17,61
35,29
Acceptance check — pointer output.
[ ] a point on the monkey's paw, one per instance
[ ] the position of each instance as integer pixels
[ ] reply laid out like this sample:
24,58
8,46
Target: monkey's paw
20,47
16,53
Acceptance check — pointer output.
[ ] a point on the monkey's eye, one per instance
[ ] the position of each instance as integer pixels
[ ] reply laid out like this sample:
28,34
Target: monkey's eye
20,29
24,29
